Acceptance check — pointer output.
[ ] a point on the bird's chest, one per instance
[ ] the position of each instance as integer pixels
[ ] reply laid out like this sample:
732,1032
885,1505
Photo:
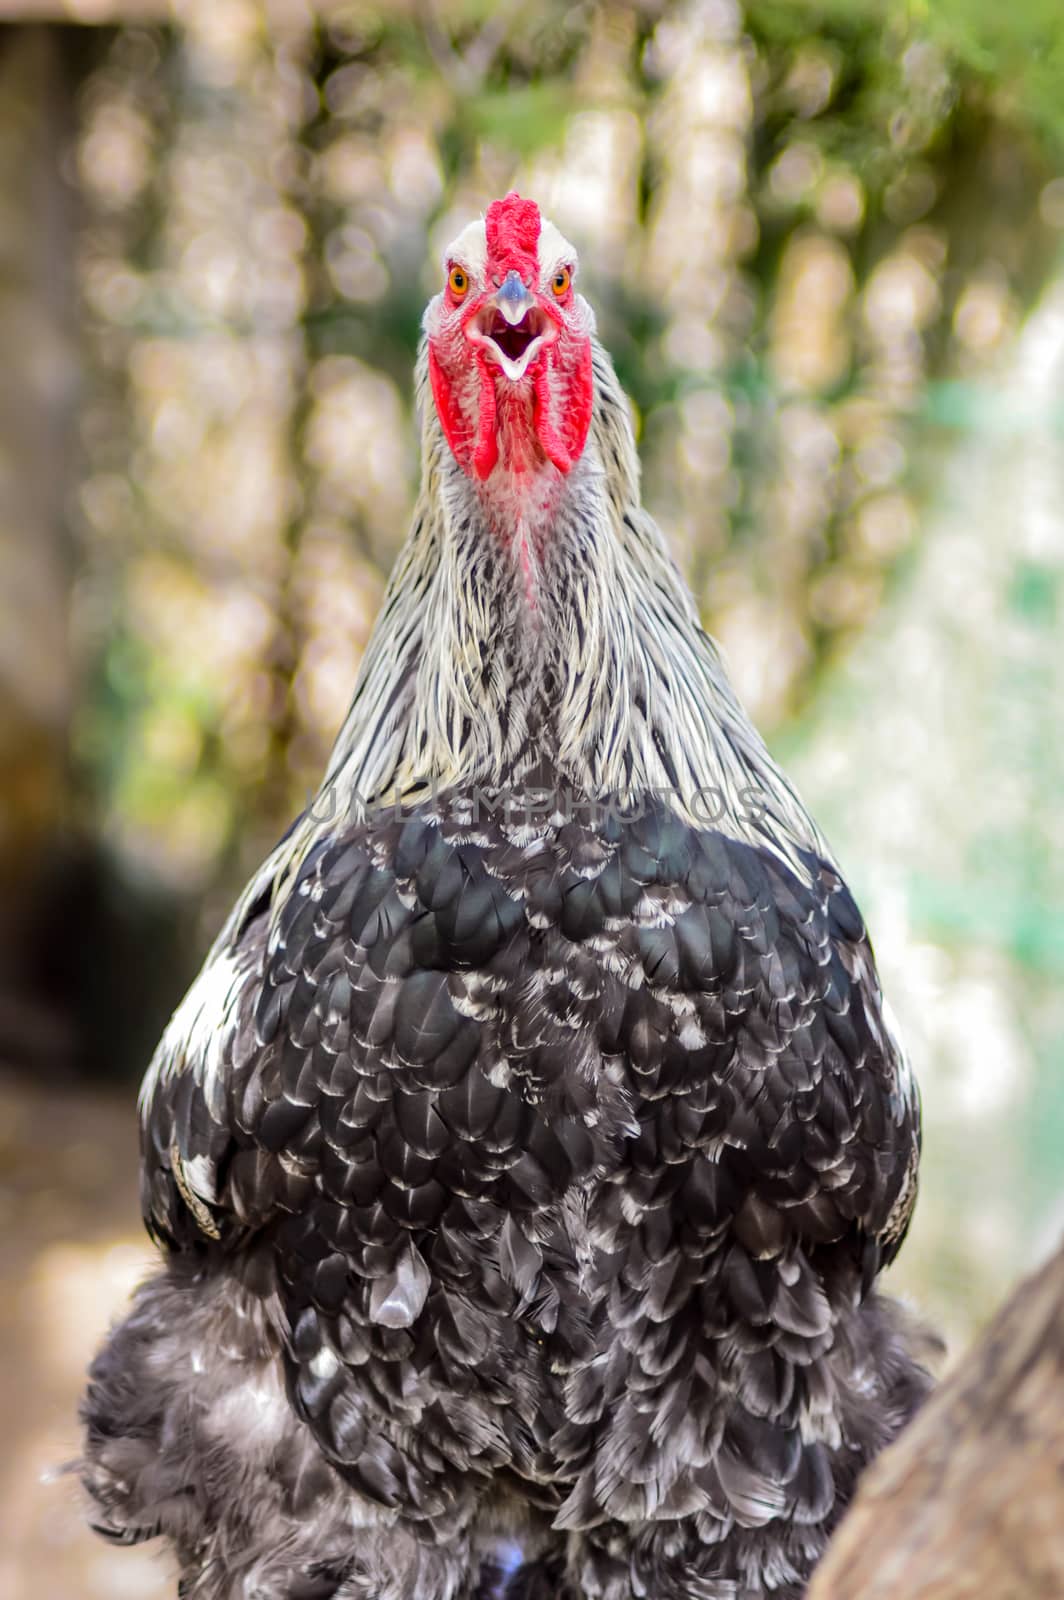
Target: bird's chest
492,1015
517,1037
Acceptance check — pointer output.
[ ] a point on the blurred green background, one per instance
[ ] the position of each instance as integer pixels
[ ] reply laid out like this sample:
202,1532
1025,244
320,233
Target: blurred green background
824,242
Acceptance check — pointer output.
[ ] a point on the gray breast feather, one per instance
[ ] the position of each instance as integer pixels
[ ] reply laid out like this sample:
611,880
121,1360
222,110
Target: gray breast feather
567,1156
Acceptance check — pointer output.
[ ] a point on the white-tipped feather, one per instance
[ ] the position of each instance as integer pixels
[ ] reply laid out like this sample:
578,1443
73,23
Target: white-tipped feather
611,671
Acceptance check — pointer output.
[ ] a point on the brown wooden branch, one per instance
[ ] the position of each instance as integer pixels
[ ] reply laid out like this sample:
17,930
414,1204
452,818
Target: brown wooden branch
969,1503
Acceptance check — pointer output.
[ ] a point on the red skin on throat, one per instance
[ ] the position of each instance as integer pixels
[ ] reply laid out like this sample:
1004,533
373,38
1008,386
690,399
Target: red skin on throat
506,430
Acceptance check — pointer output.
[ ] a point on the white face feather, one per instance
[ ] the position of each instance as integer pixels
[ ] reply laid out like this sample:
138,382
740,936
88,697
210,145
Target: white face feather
470,251
555,252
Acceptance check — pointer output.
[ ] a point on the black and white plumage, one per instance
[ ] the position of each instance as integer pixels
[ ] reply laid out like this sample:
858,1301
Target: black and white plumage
526,1151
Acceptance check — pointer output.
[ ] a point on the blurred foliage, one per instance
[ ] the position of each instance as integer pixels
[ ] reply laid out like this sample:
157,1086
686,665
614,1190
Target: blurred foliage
791,217
812,232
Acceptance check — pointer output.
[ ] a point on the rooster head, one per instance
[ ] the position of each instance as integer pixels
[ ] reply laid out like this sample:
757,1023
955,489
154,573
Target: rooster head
509,345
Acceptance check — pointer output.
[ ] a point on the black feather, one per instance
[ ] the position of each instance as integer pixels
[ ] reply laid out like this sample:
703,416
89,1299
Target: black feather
553,1180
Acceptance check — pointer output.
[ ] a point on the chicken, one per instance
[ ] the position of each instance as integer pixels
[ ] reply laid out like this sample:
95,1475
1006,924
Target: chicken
525,1153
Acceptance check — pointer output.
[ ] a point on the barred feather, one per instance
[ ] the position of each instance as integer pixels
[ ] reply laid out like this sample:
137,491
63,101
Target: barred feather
526,1150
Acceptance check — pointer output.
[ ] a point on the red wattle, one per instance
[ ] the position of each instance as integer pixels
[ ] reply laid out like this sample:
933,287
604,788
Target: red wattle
576,413
487,451
449,413
553,445
564,446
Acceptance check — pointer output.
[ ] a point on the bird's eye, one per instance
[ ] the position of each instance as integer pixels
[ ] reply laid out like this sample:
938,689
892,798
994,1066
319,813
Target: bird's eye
560,282
457,282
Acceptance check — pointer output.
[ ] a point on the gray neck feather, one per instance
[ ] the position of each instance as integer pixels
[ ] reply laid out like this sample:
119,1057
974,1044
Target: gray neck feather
570,646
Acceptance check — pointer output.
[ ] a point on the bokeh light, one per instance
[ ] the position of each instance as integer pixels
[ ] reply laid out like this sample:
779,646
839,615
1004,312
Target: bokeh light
823,244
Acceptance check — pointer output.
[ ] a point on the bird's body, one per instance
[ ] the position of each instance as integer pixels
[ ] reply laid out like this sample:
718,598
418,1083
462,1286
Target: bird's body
526,1150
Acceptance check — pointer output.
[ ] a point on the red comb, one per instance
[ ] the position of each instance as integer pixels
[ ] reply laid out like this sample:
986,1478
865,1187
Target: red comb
512,227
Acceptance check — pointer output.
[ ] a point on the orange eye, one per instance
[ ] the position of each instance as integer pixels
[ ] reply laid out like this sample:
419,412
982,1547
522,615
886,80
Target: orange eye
560,282
457,282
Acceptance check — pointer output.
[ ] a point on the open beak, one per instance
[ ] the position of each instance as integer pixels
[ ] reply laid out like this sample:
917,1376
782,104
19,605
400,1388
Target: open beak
511,328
